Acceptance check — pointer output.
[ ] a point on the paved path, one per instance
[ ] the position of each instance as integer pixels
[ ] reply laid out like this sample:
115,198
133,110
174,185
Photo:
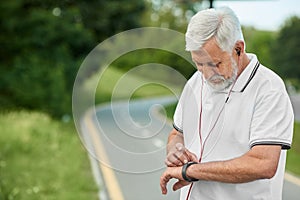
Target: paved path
131,148
296,105
134,145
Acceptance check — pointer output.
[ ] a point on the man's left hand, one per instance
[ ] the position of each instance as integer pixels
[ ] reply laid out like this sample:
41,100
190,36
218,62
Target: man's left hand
172,172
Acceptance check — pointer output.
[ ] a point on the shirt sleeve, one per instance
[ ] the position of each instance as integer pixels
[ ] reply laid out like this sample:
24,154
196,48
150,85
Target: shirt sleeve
177,117
273,121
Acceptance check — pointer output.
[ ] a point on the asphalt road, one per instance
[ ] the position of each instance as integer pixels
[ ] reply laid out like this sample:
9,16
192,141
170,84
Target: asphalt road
133,141
295,99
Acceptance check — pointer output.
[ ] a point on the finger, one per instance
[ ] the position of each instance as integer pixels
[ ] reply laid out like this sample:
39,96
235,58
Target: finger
182,156
169,164
191,156
179,184
179,146
164,179
172,160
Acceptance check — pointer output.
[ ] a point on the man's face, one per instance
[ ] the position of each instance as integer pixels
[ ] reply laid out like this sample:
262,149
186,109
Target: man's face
217,66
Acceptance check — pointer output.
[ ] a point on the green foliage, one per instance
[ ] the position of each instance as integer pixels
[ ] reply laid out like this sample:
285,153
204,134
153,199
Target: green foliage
170,110
260,42
41,158
170,14
44,42
286,50
108,84
40,56
108,17
144,56
293,156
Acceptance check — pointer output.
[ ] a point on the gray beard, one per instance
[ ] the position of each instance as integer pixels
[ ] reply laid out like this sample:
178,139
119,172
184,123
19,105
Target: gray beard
224,83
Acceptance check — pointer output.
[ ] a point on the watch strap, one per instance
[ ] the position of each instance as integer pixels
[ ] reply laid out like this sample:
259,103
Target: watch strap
183,172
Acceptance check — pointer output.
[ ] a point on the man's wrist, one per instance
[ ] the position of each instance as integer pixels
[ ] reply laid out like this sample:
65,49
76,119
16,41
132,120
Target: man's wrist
184,169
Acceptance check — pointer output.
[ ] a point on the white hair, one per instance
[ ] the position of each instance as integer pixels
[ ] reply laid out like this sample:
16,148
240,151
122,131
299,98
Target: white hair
221,23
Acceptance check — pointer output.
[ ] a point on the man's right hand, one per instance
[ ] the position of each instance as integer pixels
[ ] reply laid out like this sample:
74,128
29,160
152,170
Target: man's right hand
179,155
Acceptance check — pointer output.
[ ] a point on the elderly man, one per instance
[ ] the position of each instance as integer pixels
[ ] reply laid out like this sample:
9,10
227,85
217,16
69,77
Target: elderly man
233,122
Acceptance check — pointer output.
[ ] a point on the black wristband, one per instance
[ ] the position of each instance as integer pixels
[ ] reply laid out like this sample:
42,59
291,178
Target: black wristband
183,172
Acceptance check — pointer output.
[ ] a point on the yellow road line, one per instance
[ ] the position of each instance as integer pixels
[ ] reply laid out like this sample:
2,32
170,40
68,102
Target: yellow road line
108,174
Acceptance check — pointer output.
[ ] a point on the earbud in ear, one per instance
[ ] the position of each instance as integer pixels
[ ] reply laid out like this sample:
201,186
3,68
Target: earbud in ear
238,52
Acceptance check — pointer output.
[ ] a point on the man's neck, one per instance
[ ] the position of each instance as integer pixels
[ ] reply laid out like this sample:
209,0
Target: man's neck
244,62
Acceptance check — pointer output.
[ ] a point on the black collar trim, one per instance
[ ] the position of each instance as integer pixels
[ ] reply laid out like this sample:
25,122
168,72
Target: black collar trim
251,76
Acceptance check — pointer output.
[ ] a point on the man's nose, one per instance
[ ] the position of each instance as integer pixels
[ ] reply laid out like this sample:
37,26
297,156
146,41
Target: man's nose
208,71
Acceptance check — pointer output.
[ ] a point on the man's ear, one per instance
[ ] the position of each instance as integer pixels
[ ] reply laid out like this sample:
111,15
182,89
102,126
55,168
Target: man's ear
238,52
239,47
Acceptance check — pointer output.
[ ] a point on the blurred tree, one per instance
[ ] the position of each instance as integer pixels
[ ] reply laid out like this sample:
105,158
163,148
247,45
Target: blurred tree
144,56
43,43
259,42
286,50
173,14
108,17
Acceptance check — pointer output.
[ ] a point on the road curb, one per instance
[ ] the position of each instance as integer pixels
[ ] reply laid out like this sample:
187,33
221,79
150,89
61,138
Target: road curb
292,178
108,175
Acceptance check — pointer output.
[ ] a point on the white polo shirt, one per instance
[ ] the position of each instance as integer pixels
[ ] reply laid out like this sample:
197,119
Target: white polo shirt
258,111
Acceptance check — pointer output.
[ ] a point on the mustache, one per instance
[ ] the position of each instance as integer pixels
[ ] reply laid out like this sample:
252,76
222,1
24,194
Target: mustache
216,78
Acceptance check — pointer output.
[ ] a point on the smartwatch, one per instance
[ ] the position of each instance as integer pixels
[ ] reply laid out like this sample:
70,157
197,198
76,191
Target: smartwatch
183,172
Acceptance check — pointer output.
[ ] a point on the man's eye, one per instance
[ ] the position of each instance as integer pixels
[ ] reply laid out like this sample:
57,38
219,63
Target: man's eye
210,64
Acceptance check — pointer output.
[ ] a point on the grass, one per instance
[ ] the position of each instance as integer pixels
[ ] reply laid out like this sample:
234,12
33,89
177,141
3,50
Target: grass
170,110
127,85
293,157
41,158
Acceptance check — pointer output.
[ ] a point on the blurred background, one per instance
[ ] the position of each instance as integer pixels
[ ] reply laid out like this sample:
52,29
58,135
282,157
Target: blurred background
43,43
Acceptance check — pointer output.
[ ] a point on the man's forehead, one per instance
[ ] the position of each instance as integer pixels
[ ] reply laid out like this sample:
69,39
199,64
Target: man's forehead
200,55
200,52
210,51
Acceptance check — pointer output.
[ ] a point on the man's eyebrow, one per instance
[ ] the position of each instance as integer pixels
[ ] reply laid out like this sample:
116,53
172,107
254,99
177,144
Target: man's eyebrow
202,61
206,60
196,61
